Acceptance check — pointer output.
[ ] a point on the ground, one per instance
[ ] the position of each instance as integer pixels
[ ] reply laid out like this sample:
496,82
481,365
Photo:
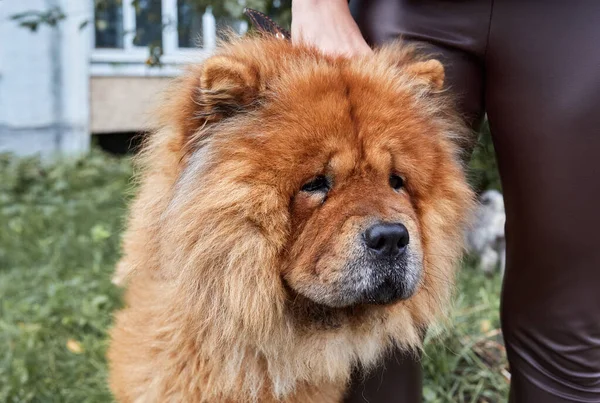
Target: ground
60,227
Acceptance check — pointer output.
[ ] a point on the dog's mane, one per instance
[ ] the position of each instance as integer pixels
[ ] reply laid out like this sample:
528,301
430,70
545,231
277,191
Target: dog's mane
225,286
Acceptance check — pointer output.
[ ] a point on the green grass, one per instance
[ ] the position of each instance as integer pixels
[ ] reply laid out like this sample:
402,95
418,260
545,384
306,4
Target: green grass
466,362
59,241
60,228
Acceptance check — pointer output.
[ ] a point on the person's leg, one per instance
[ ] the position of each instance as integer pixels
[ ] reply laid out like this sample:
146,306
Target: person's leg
543,104
399,378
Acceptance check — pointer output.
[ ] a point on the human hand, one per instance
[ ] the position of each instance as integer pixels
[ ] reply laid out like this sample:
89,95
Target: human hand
328,25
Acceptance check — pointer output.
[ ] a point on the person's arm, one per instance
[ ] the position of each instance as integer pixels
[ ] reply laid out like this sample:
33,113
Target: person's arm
328,25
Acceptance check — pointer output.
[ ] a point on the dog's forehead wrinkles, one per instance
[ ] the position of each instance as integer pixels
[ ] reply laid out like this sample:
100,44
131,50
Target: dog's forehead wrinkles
369,132
351,108
353,159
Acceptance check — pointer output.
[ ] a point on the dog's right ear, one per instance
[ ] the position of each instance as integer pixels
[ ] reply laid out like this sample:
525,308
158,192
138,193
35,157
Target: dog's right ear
207,93
227,87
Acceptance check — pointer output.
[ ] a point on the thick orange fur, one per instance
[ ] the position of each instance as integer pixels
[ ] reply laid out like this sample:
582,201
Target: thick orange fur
218,222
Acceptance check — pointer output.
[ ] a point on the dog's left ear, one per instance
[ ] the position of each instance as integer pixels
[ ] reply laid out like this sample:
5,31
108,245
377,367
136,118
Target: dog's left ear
406,57
429,72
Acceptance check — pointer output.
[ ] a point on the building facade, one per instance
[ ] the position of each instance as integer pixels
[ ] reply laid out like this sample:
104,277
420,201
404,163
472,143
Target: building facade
99,70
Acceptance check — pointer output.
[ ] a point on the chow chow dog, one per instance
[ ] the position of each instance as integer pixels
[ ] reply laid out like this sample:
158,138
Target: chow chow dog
299,214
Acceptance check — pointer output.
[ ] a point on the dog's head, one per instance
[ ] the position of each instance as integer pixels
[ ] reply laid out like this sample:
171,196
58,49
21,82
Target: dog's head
306,176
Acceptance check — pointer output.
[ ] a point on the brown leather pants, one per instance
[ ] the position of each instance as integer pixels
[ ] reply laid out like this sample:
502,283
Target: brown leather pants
534,68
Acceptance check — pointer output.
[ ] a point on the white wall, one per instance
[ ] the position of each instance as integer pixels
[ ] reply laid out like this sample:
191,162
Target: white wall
44,80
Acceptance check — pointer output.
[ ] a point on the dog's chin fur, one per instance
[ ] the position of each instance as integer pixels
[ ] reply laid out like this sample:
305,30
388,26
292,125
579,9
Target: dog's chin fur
208,316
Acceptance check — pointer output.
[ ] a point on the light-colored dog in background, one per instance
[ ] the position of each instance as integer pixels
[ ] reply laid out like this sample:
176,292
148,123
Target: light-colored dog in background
486,239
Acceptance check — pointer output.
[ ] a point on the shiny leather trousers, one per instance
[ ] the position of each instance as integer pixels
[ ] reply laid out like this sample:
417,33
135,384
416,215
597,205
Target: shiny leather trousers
534,68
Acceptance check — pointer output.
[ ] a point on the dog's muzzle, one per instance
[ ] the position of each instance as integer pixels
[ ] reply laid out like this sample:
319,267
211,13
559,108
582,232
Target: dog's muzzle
390,273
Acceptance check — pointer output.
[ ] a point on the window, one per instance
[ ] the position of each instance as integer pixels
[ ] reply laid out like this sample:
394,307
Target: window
108,23
189,25
129,32
197,27
148,23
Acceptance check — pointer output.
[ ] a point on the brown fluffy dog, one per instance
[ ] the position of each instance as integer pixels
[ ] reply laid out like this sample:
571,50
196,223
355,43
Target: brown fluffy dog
298,215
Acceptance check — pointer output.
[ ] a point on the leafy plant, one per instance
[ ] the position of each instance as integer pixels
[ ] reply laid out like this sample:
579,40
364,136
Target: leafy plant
33,19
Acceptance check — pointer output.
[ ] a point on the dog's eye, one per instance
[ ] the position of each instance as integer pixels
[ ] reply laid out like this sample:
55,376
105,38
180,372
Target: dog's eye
318,184
396,182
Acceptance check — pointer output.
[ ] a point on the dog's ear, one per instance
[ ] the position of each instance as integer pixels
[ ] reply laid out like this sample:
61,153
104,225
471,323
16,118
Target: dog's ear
429,72
220,87
408,58
227,86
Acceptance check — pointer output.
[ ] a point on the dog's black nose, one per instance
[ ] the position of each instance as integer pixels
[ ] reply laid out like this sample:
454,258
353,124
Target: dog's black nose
387,239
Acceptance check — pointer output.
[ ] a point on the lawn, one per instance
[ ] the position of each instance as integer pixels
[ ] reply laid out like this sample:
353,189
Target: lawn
60,227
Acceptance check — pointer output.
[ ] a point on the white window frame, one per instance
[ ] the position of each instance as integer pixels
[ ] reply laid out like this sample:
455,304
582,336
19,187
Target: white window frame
131,60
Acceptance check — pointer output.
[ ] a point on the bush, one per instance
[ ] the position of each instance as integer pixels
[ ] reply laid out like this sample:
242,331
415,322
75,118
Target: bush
484,168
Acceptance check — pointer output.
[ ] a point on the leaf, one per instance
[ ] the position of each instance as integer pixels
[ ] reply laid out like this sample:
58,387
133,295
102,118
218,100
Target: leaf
74,346
100,300
429,394
20,16
99,233
31,25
